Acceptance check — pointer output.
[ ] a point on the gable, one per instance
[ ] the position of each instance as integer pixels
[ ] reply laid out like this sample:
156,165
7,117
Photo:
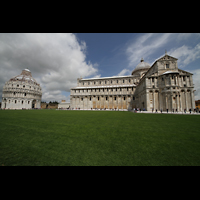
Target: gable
167,58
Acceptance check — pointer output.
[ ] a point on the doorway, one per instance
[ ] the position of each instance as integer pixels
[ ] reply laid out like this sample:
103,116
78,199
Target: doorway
34,104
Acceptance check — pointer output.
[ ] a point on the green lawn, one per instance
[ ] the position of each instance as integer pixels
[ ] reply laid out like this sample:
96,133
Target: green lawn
96,138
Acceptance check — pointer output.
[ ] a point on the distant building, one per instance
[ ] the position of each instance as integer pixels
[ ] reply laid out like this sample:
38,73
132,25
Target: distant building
197,103
49,105
64,105
22,92
160,86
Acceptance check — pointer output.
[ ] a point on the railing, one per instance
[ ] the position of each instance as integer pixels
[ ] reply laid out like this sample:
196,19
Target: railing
102,93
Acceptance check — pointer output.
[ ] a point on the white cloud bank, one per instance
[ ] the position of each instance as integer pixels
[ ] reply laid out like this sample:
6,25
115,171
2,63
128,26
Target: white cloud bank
186,54
145,46
124,72
196,81
56,60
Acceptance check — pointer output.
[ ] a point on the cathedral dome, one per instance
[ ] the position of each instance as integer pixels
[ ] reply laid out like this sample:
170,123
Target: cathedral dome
142,65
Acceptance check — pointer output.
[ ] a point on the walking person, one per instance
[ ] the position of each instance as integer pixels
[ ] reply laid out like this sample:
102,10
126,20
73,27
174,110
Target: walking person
167,110
161,110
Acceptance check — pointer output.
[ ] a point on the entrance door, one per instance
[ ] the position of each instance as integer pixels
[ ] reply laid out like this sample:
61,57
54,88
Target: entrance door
34,104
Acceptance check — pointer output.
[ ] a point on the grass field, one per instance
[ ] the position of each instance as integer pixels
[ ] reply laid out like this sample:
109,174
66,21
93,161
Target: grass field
98,138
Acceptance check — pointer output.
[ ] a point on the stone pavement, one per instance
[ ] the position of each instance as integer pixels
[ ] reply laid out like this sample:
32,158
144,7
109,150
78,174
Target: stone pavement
158,112
169,112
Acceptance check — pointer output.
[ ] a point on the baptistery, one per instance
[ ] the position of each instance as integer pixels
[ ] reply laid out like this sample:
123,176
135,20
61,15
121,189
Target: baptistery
22,92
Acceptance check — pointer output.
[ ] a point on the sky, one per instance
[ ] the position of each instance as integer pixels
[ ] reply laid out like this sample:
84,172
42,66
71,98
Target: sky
56,60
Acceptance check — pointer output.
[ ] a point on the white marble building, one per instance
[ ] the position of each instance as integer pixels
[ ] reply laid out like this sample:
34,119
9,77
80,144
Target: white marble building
160,86
21,92
64,105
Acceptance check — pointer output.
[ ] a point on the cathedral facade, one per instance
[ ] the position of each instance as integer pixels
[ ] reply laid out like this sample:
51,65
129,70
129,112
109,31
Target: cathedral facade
22,92
161,86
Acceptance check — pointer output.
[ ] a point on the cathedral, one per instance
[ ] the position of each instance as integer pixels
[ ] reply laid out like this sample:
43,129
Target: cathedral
21,92
162,86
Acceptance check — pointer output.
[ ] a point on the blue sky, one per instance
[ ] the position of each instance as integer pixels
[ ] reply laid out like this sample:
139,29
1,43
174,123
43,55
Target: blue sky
56,60
119,53
113,52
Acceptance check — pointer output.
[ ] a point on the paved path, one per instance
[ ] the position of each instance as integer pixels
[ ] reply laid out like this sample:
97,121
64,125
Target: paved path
164,112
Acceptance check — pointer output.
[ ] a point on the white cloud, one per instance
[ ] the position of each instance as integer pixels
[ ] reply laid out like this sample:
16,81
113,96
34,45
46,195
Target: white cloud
124,72
56,60
146,45
186,54
196,78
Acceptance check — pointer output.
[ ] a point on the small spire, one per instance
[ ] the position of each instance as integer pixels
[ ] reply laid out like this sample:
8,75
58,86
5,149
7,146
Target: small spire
141,60
165,52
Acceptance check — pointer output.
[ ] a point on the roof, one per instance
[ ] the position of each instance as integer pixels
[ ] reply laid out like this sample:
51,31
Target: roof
104,86
141,65
170,72
24,76
163,57
106,77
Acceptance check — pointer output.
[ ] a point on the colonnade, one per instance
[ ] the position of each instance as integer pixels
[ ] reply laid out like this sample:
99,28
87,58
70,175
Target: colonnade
101,102
180,100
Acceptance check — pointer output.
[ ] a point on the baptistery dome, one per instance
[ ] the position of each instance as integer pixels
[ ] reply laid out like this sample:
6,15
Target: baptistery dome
142,66
22,92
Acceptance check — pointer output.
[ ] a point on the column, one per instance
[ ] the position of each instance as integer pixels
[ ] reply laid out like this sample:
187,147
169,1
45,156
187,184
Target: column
121,102
186,103
117,101
192,99
147,100
166,96
181,109
160,101
177,101
126,101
